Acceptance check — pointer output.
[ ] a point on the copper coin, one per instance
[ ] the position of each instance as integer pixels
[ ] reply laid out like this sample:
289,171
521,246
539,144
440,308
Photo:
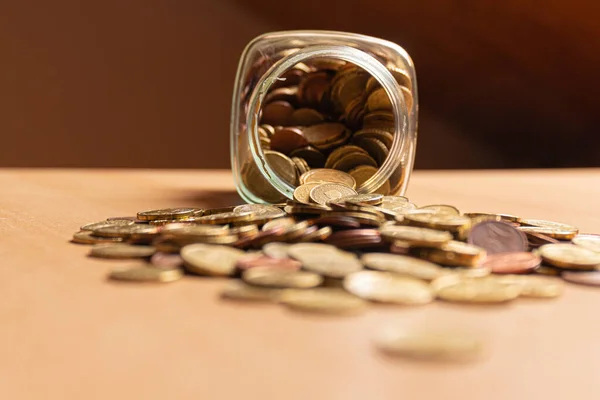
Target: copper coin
166,260
321,134
313,86
288,94
591,278
258,260
497,237
287,140
537,239
306,117
313,157
277,113
512,263
376,148
338,222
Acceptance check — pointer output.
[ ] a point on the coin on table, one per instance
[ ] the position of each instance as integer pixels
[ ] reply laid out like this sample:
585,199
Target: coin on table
225,218
415,236
494,216
497,237
589,241
441,209
362,199
570,256
430,344
385,287
555,230
250,261
475,290
512,263
325,259
403,265
121,251
302,192
535,285
127,231
194,230
590,278
102,224
279,278
146,274
536,240
328,175
331,301
260,210
214,260
326,192
453,253
279,223
166,213
276,250
87,237
238,290
446,222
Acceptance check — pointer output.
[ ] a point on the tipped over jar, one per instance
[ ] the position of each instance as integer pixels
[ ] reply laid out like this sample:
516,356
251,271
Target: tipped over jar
316,107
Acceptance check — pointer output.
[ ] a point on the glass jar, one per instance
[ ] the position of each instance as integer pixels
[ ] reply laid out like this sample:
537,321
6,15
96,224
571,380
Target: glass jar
326,90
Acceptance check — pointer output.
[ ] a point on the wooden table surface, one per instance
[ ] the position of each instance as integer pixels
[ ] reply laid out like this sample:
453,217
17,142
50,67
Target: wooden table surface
68,333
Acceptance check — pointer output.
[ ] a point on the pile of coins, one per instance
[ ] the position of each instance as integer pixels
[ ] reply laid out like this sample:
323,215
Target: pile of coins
326,114
340,254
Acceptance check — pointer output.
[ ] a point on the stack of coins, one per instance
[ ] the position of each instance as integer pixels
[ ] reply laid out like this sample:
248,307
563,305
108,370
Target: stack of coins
339,253
326,114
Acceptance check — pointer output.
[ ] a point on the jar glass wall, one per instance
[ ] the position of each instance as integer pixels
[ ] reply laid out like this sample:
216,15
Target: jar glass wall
308,100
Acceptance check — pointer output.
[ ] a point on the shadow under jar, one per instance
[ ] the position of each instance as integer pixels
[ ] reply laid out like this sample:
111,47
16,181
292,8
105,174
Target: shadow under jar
320,106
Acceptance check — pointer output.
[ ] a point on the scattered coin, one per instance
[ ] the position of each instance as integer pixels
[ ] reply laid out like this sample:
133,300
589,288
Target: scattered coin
497,237
302,192
281,278
87,237
570,256
388,288
445,222
322,300
325,260
555,230
430,344
591,278
535,285
453,253
475,290
322,175
102,224
276,250
512,263
414,236
146,274
441,209
403,265
238,290
121,251
250,261
166,213
214,260
591,242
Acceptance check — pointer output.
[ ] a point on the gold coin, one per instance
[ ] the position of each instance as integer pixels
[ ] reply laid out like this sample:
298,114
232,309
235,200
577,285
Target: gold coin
126,231
301,165
430,344
331,301
442,209
166,213
403,265
279,223
316,236
238,290
535,285
453,253
195,231
276,250
225,218
258,184
302,192
591,242
388,288
325,259
322,175
326,192
570,256
279,278
87,237
475,290
352,160
494,216
362,199
446,222
363,173
214,260
121,251
146,274
341,151
102,224
553,229
260,210
414,236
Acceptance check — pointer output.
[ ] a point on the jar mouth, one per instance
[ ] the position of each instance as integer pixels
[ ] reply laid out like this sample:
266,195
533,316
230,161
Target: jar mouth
348,54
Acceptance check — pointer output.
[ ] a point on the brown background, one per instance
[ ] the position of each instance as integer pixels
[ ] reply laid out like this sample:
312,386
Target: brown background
148,83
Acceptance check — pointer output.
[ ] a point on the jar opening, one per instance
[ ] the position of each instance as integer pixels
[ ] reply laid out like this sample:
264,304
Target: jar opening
326,106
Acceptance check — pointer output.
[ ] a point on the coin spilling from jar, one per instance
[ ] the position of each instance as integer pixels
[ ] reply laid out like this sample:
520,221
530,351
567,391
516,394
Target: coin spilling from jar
332,251
327,115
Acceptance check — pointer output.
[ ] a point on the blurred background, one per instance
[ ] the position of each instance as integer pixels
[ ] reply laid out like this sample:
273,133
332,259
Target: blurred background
148,83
